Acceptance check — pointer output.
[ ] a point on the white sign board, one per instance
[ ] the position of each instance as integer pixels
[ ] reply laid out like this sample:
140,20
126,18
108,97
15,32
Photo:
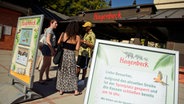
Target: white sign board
132,74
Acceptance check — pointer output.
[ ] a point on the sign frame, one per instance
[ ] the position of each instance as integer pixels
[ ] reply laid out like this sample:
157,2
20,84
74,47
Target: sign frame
1,30
99,75
25,49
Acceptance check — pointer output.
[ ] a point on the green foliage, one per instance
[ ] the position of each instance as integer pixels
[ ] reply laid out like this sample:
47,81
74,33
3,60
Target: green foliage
72,7
14,66
165,61
38,21
17,38
102,55
67,7
36,37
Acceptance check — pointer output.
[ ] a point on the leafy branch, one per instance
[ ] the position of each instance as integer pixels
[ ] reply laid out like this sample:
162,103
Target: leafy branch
101,54
164,61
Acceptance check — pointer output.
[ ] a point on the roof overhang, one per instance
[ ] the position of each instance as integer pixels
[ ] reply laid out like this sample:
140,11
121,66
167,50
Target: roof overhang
48,13
112,14
10,6
166,17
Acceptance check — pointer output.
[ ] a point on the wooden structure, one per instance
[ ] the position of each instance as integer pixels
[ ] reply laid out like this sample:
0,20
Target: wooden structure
146,22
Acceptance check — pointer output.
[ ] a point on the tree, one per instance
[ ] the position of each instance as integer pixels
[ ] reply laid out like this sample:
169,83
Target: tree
67,7
72,7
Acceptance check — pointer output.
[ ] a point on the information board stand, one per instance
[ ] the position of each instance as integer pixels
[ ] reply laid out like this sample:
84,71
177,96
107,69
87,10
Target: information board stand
132,74
24,55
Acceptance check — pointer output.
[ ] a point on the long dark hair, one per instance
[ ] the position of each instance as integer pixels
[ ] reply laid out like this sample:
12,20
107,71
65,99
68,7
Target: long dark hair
72,29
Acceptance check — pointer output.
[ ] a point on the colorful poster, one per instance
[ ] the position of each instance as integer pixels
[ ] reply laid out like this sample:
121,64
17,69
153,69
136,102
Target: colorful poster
25,36
132,74
25,49
22,56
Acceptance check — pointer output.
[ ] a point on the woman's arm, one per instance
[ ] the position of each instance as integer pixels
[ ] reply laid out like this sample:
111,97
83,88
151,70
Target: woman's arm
78,43
60,38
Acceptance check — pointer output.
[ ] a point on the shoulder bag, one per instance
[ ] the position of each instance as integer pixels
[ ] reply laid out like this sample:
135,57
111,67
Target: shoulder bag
59,53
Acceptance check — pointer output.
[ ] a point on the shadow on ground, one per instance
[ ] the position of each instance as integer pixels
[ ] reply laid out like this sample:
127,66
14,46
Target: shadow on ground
49,87
46,89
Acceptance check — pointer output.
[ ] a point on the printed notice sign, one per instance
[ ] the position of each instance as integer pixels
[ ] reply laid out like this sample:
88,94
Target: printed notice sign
25,48
132,74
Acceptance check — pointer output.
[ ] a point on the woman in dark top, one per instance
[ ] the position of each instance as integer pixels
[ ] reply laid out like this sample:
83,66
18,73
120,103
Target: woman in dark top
66,77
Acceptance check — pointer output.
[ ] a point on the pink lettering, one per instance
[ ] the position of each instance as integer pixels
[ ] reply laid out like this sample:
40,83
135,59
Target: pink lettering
29,23
133,63
107,16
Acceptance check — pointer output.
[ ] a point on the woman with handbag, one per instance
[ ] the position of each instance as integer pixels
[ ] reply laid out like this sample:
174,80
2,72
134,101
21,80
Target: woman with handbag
48,50
66,76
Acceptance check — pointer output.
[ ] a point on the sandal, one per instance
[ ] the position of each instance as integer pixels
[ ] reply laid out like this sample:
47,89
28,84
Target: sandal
61,92
79,93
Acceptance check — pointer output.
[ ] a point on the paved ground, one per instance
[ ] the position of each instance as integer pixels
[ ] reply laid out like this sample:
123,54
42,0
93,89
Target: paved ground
45,94
42,94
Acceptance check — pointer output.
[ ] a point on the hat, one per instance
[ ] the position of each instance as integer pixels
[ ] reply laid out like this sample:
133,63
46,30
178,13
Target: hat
87,24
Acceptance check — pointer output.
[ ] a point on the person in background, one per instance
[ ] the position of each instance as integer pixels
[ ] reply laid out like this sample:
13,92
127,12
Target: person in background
66,76
39,60
48,50
85,50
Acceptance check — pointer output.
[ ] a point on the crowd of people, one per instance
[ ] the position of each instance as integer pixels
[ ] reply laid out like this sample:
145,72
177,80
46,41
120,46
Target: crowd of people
69,68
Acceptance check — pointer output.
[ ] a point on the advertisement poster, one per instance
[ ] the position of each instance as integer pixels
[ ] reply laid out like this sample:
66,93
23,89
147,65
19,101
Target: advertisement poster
132,74
22,56
25,48
25,36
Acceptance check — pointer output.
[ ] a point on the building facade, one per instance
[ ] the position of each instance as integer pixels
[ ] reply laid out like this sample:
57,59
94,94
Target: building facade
8,23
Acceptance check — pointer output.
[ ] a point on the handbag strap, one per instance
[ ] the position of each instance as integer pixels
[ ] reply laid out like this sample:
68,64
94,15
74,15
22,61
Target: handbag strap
66,40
